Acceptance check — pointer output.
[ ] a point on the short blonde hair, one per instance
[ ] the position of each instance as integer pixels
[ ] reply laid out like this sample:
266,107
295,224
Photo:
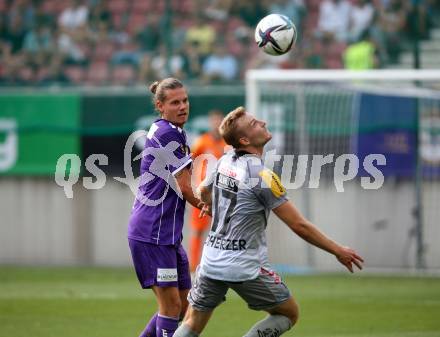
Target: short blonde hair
228,128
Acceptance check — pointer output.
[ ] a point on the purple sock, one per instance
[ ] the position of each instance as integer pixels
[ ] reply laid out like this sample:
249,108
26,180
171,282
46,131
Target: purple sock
166,326
150,329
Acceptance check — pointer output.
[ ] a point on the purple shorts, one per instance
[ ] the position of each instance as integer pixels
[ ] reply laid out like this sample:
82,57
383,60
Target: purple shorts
161,266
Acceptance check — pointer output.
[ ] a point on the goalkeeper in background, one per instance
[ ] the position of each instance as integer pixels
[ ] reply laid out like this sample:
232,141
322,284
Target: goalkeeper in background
213,143
242,192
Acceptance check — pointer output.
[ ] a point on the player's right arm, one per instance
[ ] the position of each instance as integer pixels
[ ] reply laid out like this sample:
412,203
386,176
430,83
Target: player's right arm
291,216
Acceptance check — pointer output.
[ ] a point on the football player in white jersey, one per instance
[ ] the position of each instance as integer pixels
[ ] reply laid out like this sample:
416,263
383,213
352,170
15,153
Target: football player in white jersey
242,192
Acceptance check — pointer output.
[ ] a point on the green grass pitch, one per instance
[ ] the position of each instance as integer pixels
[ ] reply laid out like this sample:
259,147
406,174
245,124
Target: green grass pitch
104,302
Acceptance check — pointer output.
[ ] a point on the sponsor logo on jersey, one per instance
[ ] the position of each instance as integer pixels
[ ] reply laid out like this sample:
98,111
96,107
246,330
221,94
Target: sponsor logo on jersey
166,275
185,149
232,171
272,181
227,183
225,244
227,171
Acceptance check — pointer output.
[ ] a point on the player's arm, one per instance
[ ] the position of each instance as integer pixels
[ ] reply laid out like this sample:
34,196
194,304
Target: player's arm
290,215
183,179
204,192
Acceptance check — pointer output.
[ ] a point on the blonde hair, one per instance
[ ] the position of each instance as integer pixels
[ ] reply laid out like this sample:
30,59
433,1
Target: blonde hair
159,88
228,127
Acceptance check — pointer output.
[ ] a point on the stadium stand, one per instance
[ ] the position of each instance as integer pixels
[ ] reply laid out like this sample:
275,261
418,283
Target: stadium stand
105,42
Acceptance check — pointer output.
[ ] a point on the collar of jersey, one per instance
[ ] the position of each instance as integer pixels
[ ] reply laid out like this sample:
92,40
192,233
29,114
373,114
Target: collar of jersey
240,153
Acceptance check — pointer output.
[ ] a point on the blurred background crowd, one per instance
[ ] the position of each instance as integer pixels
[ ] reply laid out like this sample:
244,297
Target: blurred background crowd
118,42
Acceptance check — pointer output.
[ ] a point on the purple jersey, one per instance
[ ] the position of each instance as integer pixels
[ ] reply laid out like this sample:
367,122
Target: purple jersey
158,211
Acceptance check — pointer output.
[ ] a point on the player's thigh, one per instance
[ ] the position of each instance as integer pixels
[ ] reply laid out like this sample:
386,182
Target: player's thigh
265,292
183,272
183,294
206,293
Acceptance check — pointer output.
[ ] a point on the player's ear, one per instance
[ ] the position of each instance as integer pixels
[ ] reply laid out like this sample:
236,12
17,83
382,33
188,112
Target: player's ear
159,106
244,141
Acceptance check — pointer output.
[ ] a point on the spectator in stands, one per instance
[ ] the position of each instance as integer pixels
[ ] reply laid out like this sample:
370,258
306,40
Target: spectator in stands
15,34
53,74
293,9
201,34
361,17
361,55
334,19
250,11
38,46
119,33
389,30
73,20
149,36
146,73
3,27
100,33
99,13
420,18
69,50
216,9
23,9
174,68
6,58
42,17
220,66
192,66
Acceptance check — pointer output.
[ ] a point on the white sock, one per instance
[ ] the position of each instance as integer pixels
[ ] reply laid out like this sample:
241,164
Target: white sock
273,325
184,331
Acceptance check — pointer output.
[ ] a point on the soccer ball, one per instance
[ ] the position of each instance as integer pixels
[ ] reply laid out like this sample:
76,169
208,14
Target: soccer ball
275,34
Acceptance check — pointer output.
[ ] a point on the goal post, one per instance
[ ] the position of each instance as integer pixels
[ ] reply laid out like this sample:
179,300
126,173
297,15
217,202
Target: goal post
335,115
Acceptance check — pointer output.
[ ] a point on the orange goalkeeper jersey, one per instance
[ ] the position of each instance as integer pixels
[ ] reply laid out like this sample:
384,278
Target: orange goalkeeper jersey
207,144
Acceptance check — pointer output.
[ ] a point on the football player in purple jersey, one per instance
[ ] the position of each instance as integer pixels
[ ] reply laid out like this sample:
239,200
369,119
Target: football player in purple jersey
156,221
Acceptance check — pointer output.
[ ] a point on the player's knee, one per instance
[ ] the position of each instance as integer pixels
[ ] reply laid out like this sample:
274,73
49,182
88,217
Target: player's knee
183,309
293,316
290,310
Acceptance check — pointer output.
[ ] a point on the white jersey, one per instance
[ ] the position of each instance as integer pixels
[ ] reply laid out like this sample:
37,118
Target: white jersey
243,194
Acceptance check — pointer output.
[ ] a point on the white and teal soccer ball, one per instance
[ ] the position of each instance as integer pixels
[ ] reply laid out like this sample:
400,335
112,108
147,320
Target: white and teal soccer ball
275,34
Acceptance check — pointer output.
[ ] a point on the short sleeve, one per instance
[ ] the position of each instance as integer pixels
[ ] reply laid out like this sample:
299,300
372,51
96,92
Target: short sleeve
175,152
269,190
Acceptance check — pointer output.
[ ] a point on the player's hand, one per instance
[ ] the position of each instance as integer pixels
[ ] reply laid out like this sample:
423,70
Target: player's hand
205,210
348,257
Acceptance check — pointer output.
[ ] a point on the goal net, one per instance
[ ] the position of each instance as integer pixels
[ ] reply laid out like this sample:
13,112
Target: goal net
359,153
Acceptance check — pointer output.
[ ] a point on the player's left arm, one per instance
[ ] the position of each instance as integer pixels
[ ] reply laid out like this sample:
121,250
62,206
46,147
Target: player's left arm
204,192
291,216
183,179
